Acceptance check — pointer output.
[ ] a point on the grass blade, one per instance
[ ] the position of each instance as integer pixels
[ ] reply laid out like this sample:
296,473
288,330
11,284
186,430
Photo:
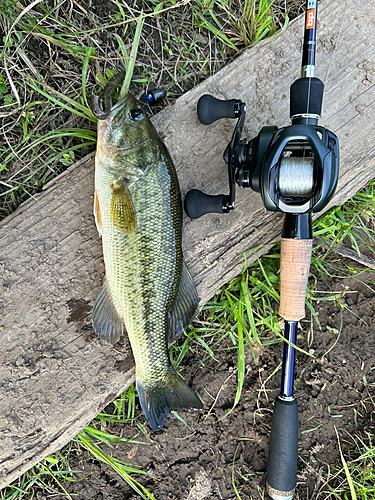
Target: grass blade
133,55
90,52
346,469
246,297
121,468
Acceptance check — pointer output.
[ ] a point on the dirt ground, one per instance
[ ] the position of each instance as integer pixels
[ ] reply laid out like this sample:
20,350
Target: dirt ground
334,390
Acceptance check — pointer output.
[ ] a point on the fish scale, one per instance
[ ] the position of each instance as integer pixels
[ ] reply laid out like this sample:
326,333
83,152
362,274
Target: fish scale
137,281
148,288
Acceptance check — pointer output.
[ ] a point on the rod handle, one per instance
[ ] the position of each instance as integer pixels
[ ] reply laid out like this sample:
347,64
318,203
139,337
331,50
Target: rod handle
306,96
210,109
283,450
295,258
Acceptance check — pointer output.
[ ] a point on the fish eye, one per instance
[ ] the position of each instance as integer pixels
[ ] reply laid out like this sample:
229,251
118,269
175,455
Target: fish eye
136,114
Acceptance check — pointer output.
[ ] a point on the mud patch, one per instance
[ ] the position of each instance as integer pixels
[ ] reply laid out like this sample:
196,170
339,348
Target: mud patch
78,310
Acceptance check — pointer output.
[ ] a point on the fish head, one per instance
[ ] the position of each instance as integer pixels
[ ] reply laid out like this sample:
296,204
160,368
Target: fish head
127,125
125,133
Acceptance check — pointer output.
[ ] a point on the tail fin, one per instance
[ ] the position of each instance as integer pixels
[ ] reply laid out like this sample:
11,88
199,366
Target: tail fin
171,394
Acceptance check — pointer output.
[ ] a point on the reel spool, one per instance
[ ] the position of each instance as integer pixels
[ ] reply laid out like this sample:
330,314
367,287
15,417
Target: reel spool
296,177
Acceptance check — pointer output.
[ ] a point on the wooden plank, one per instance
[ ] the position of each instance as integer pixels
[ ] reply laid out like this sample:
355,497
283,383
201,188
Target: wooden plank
55,376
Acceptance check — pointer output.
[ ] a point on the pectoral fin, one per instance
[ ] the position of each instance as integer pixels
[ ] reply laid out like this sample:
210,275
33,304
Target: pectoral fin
184,306
98,218
122,211
105,321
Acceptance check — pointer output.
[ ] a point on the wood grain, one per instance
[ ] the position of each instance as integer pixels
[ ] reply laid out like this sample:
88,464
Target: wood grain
55,376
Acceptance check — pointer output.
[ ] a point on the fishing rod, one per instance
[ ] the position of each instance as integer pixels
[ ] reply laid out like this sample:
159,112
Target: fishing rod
295,169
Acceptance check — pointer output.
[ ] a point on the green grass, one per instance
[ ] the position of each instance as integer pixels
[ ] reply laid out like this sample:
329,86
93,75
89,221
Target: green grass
351,221
355,479
53,58
51,62
239,24
50,475
85,438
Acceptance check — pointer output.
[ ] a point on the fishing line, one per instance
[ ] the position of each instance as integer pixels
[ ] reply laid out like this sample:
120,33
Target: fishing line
309,45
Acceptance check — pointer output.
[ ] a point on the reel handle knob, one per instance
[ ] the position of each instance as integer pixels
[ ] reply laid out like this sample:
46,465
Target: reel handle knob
198,203
210,109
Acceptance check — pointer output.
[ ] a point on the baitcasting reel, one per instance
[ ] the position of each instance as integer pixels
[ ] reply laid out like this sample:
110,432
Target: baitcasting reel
295,168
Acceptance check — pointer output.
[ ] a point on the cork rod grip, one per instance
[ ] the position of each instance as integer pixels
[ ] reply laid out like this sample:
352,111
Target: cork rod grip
295,261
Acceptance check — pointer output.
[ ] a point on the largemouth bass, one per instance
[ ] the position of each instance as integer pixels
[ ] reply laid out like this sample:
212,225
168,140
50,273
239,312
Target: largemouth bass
147,289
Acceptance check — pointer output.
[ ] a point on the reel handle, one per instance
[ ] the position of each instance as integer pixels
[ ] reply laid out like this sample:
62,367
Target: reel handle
198,204
210,109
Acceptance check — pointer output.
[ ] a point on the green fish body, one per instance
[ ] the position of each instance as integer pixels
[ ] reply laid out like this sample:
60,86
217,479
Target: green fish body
148,288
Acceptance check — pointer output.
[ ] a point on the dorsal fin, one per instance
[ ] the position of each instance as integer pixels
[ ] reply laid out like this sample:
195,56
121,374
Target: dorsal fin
105,321
184,306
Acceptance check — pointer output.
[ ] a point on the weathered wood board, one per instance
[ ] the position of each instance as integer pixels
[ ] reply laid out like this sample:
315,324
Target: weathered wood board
55,376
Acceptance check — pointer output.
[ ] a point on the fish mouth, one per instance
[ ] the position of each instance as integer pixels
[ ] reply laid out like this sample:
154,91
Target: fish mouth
102,105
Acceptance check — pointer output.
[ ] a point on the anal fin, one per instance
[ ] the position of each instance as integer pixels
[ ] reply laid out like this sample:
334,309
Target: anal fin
105,321
184,306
